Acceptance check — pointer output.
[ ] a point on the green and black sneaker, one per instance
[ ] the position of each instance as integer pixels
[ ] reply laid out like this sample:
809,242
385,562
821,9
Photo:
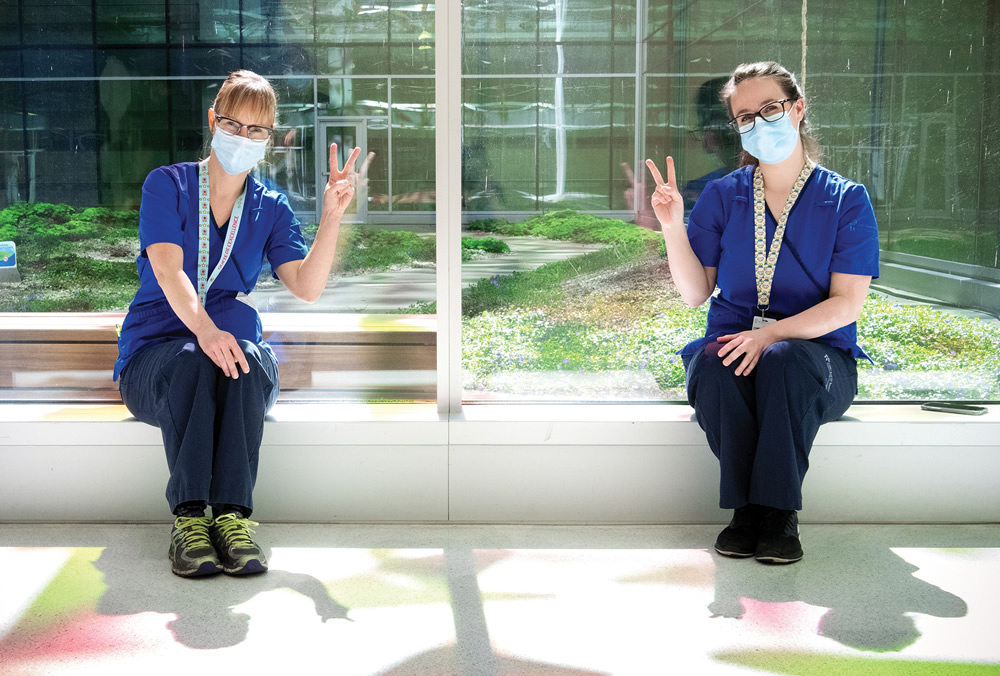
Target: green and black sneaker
238,553
191,551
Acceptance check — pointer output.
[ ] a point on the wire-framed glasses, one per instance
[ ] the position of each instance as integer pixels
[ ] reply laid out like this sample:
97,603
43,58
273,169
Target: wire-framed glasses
254,132
770,112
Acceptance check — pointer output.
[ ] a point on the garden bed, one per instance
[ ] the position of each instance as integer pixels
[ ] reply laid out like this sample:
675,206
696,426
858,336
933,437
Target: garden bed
605,325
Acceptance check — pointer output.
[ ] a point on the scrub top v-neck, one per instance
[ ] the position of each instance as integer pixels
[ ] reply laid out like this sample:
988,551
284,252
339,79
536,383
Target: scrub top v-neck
831,228
169,213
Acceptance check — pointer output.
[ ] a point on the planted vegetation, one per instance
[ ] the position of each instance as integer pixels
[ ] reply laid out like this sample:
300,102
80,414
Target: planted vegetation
615,313
70,260
607,323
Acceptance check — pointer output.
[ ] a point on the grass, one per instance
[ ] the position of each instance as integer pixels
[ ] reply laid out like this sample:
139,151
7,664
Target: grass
83,260
70,260
632,333
569,225
544,332
605,324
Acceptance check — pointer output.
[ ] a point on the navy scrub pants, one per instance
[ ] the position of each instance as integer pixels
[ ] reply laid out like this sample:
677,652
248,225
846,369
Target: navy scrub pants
761,426
211,424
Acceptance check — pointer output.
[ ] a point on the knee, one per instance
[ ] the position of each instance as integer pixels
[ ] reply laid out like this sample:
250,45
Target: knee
707,369
190,358
708,362
783,357
250,350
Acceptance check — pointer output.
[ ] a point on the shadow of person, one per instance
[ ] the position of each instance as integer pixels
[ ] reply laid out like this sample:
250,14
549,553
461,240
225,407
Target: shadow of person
869,590
138,580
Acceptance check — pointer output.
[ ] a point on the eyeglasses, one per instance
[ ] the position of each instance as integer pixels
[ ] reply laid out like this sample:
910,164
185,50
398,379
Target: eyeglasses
254,132
771,112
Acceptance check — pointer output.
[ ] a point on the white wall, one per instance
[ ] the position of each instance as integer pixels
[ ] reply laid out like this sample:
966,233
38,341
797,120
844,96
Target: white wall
506,464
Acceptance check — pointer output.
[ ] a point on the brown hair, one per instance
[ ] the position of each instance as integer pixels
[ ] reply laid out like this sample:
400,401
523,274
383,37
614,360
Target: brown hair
245,89
789,85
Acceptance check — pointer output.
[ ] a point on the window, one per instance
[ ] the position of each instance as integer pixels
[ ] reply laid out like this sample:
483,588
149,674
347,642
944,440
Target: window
565,294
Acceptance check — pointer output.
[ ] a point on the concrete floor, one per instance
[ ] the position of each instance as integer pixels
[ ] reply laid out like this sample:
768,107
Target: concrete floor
540,600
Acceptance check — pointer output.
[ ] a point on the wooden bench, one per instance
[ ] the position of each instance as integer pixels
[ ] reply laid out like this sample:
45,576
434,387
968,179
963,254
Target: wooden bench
71,356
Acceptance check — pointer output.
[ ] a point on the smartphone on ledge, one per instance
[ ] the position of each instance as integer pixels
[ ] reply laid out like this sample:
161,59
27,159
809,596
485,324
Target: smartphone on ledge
951,407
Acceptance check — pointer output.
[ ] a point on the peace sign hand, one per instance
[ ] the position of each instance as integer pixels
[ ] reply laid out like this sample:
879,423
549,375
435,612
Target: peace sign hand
668,205
339,189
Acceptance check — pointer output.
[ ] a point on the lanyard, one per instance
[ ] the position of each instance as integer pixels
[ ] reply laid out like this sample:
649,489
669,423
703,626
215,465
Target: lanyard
764,264
204,226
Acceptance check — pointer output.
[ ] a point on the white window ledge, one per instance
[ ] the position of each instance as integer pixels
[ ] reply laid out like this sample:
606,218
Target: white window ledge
501,464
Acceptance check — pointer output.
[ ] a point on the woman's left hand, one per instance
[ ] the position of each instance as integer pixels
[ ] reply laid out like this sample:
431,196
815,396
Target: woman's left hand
339,189
749,344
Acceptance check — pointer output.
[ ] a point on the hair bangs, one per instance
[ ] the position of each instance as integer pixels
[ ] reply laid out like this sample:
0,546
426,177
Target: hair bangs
250,95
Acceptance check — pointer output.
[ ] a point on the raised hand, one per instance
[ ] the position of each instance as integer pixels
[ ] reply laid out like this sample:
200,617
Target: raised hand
339,189
668,205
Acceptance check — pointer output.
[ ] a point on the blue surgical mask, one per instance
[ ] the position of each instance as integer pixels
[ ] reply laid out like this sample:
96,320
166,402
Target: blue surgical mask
771,142
237,154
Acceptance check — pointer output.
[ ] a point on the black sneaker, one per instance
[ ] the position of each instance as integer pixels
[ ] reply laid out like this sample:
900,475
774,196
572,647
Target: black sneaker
239,554
191,551
739,538
779,537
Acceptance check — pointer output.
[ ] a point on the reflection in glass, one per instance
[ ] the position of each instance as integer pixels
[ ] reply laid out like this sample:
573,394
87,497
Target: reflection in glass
77,151
561,100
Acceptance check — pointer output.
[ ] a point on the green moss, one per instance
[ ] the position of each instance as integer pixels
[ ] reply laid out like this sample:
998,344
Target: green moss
374,250
487,244
570,225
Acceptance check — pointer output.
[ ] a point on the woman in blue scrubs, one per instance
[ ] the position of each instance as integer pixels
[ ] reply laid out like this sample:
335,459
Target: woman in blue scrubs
192,360
792,247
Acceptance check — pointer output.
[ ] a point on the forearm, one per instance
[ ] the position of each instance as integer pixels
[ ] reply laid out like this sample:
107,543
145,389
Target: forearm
183,300
167,261
690,277
307,279
819,320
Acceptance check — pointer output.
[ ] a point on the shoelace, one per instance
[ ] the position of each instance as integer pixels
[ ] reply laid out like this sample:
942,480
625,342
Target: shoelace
235,530
194,531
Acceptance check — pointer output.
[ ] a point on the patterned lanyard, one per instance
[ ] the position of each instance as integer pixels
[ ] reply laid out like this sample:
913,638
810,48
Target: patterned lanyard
204,228
764,264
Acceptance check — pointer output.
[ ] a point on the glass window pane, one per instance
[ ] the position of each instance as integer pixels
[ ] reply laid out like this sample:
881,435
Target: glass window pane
10,31
194,24
413,148
278,21
75,154
563,138
500,138
55,22
131,22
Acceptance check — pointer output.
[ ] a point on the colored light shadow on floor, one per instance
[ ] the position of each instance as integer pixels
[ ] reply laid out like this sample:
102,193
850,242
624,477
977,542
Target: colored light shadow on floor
544,612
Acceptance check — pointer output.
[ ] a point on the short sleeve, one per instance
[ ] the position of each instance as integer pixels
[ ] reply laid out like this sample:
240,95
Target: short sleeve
286,242
159,212
856,249
704,228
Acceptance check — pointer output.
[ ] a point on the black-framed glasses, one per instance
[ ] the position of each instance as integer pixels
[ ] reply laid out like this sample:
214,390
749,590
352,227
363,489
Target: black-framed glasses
255,132
769,112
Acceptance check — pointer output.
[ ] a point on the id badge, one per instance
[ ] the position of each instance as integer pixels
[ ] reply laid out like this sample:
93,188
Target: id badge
760,322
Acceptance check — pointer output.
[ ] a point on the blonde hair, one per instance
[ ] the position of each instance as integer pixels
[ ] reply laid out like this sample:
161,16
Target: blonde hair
789,85
244,89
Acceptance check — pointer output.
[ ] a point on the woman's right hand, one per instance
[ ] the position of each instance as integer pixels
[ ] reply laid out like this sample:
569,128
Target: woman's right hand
222,348
668,205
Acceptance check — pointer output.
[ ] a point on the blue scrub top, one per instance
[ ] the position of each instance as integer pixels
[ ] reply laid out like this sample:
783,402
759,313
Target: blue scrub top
830,229
169,213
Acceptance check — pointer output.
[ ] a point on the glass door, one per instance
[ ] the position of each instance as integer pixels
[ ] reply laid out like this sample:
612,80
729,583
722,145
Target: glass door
347,133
